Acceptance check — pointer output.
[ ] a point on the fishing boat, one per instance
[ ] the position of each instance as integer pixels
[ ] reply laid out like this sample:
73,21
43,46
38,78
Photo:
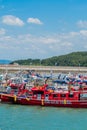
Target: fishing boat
44,96
41,96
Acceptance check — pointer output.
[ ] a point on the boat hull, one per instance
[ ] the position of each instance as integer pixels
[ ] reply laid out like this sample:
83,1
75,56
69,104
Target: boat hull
13,99
52,103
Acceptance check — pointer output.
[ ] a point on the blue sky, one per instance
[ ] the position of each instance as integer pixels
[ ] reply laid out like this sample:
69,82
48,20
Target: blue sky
42,28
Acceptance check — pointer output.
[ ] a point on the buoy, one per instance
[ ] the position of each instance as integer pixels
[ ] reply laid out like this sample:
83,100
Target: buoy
27,99
64,101
42,102
15,98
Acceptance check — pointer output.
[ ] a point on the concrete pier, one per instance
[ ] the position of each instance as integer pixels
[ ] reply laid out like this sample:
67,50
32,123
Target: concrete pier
55,69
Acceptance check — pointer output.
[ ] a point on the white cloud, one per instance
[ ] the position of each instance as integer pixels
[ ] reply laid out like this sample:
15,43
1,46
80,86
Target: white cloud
12,20
73,34
82,24
2,31
34,21
83,32
44,46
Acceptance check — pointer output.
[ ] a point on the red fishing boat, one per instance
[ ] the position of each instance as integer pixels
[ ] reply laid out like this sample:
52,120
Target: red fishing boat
40,95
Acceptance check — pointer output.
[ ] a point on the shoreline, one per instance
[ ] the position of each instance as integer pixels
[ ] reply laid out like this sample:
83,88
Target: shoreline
49,69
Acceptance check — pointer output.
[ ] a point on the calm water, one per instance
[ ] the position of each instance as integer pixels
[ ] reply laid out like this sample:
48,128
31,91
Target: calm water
17,117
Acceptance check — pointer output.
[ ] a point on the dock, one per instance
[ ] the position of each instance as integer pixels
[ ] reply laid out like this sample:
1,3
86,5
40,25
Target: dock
55,69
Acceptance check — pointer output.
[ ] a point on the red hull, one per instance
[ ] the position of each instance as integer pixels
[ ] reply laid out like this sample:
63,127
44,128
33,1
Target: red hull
6,98
53,103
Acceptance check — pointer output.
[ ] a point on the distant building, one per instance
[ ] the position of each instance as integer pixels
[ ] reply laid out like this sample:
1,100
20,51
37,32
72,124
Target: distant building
15,63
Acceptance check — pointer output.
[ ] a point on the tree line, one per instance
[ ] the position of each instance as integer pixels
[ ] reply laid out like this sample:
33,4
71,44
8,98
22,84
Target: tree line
72,59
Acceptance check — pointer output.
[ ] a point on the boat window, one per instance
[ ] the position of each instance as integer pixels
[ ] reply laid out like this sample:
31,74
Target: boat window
38,92
55,95
63,95
46,95
71,95
83,96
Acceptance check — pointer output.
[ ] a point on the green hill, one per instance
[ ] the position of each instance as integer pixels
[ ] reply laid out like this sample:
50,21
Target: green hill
72,59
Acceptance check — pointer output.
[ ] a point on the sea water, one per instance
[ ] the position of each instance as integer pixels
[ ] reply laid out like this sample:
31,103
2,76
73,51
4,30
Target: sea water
18,117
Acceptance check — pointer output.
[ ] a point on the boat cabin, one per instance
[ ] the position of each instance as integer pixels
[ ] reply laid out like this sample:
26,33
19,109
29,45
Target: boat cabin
41,93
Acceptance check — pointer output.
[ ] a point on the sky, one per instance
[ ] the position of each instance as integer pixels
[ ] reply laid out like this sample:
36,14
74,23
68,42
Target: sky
40,29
